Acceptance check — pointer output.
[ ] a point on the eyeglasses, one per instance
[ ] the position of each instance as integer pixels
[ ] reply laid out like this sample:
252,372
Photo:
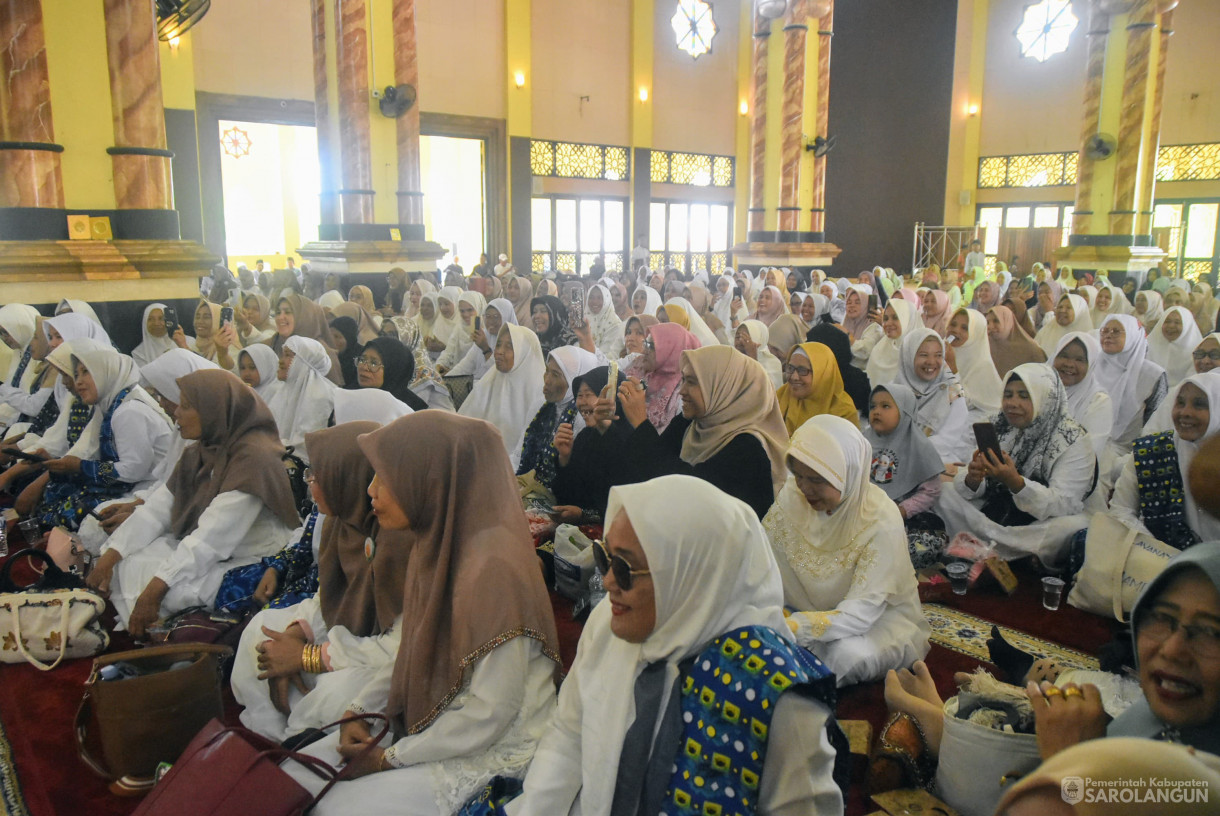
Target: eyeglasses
624,575
1158,627
371,365
308,476
800,371
1112,332
1214,356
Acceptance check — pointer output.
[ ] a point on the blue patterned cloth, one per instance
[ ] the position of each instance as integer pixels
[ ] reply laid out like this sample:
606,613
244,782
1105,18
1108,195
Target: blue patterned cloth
21,366
60,505
1162,494
538,448
298,576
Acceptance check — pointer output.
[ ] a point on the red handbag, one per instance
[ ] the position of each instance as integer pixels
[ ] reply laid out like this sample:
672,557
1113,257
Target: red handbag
232,771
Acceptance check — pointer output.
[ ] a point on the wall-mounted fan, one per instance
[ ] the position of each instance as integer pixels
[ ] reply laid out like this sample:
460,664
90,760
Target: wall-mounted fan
1100,146
821,146
175,17
396,100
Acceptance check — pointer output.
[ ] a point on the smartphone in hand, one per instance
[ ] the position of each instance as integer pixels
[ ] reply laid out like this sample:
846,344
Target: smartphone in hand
987,439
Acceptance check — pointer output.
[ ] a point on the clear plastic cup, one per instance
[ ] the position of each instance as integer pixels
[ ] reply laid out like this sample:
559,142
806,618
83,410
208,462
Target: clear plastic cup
959,577
1052,592
31,531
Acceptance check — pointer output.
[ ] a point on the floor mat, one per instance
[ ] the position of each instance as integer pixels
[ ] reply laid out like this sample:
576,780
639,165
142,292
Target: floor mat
10,788
967,634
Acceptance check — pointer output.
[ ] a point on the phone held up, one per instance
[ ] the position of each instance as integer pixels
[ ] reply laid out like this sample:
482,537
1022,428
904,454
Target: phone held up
576,305
171,320
987,439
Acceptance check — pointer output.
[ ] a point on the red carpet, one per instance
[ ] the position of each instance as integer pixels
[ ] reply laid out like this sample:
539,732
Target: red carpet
38,709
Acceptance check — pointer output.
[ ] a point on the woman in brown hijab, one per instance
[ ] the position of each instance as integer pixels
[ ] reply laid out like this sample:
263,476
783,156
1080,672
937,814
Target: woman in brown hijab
228,503
1010,345
328,646
472,687
297,315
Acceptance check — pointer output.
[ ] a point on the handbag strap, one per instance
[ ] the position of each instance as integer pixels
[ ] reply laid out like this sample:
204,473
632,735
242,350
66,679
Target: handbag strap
344,773
175,649
65,603
1122,555
83,715
50,570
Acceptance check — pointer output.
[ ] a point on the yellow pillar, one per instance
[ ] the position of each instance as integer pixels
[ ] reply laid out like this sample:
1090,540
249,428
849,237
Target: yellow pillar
965,118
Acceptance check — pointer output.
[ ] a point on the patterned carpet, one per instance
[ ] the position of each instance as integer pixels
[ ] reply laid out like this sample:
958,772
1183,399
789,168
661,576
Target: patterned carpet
10,789
967,634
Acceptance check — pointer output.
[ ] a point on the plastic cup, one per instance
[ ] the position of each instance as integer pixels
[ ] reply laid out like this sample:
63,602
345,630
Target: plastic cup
959,577
31,530
1052,592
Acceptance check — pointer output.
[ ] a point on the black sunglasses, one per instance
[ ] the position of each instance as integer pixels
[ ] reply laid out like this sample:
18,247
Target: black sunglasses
624,575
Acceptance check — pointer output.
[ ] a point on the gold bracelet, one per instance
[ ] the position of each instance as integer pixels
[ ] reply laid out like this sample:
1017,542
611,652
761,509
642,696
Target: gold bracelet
318,668
305,659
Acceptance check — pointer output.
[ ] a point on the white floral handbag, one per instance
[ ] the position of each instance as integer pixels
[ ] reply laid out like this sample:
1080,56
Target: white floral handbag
50,620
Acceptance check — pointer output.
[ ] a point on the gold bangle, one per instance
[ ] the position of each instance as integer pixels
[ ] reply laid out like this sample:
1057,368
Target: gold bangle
305,659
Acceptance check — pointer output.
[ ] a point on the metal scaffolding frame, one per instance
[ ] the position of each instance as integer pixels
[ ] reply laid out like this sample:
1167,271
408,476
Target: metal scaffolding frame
940,245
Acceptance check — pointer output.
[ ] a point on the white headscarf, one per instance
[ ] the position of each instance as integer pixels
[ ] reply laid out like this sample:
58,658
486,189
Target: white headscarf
20,321
934,398
508,314
80,307
152,347
1209,384
712,572
73,326
86,445
1176,356
267,362
574,362
368,405
1080,395
723,307
652,301
329,300
459,340
444,327
1049,335
1155,307
1118,304
306,401
883,362
607,326
510,400
697,325
1125,375
760,334
975,368
425,286
163,373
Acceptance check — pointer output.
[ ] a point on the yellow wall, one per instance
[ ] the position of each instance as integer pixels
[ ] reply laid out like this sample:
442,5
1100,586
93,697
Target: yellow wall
255,48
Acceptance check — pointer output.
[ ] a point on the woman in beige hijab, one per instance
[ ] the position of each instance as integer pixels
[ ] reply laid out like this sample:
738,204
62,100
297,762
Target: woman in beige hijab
472,685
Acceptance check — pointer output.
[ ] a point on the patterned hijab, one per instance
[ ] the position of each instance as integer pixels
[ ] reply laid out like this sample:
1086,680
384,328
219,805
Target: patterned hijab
1036,447
558,332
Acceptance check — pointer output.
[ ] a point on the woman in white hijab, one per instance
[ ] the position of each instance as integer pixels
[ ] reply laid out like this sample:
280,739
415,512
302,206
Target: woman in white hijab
683,611
1148,308
1172,341
156,340
1136,385
469,306
645,301
477,360
329,300
1076,361
418,289
842,553
368,405
898,319
510,395
607,326
1110,300
445,320
258,366
19,323
1071,315
80,307
306,401
751,339
698,326
1029,501
941,413
975,368
1151,494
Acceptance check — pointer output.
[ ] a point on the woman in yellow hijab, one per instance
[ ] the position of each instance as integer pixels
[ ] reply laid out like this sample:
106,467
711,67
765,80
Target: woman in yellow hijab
675,314
812,386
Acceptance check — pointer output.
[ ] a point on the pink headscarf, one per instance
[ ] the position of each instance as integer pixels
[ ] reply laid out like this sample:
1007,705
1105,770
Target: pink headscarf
664,403
938,321
778,307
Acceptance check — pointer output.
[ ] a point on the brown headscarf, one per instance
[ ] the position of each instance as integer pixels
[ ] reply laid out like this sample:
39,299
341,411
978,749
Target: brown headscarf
472,582
355,590
522,303
366,327
362,296
1021,312
1012,347
739,398
309,320
240,450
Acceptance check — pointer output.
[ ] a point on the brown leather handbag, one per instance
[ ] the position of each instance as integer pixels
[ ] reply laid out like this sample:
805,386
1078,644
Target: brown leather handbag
137,722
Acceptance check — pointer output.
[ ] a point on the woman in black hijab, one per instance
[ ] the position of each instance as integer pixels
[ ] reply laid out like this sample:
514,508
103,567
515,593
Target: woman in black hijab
550,323
343,338
387,364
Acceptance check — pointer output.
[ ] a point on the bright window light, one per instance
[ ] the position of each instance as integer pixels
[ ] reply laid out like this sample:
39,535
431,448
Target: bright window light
694,27
1046,28
451,171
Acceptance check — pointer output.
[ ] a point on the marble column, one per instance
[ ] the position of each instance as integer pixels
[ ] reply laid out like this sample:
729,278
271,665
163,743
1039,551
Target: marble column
29,169
758,127
327,147
817,215
352,64
792,143
1131,173
406,72
141,163
1098,38
1147,199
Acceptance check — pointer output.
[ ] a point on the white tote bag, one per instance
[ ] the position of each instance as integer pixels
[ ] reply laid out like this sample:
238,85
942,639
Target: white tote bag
978,764
44,627
1119,561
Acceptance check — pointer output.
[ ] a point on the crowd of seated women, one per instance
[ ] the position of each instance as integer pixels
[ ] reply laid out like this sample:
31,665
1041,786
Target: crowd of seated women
769,460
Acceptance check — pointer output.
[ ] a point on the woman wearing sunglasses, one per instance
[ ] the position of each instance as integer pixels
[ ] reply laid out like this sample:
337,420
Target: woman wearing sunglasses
842,553
471,686
693,597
